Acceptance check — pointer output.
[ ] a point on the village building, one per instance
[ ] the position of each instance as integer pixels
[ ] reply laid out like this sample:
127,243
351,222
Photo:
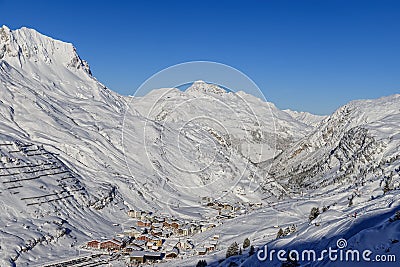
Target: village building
228,206
201,251
132,213
133,232
149,245
226,213
185,244
185,230
170,244
139,257
143,223
214,243
175,225
157,225
157,232
111,244
171,254
93,244
211,226
138,214
150,238
209,248
138,243
158,220
167,223
212,205
131,248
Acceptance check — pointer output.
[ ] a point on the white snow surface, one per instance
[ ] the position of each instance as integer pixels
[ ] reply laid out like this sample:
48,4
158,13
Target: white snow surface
76,156
306,117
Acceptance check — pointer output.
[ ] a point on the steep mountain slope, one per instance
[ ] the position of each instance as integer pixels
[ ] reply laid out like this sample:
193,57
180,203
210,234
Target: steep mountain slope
44,205
358,140
348,168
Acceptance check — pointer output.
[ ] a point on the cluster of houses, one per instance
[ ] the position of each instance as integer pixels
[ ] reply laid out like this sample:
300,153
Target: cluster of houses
209,247
148,224
110,244
154,238
227,210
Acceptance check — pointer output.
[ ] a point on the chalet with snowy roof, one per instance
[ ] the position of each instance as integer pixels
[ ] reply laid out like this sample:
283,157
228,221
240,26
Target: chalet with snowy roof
225,213
214,243
209,248
132,213
150,238
170,244
139,257
176,224
148,256
167,223
201,251
157,232
185,244
143,223
133,232
203,228
171,254
149,245
138,214
138,243
131,248
158,220
185,230
157,225
111,244
93,244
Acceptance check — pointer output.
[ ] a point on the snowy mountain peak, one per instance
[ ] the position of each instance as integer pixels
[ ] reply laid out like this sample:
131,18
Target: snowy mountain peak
207,88
23,46
305,117
4,28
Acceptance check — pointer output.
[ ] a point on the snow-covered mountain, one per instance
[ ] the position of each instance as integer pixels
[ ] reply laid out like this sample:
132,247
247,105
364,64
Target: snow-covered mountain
355,141
305,117
76,156
348,168
258,130
50,100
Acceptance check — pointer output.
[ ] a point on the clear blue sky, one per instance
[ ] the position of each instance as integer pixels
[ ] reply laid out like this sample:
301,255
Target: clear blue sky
304,55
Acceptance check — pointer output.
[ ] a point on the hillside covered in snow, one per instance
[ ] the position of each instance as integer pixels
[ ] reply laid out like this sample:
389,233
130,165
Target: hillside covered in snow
76,157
